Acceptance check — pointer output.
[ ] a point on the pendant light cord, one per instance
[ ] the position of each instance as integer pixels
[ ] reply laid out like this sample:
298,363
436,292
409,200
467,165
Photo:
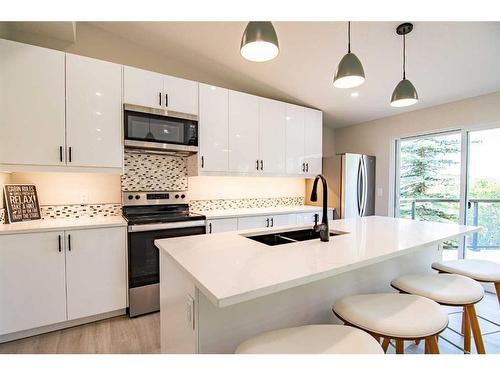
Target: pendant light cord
349,37
404,56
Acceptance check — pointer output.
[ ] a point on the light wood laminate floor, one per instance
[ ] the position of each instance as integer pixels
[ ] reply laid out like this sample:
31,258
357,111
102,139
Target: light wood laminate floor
142,335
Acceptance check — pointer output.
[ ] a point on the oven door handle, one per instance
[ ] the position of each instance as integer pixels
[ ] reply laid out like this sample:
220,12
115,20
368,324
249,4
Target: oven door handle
162,226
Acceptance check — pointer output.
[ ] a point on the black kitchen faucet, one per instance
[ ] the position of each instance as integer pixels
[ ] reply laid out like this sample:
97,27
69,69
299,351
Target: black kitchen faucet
324,231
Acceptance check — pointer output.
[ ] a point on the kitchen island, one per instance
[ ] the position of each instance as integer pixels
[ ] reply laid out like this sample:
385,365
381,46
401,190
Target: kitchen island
218,290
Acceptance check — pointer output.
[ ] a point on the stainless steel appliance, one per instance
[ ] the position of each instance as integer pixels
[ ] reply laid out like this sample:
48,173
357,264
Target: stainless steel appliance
357,185
149,128
151,216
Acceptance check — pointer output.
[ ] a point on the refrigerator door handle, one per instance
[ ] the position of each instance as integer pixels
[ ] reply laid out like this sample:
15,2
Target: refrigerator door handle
365,187
358,187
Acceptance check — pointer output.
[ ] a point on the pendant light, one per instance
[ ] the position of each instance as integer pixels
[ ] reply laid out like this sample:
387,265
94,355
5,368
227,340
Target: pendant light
259,42
405,93
350,72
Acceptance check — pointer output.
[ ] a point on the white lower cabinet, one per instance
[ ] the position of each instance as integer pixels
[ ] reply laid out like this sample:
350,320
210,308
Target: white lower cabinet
32,281
222,225
51,277
269,221
96,271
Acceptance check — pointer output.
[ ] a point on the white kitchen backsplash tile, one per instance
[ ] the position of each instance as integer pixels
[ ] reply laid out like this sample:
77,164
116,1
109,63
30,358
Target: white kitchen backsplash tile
154,172
227,204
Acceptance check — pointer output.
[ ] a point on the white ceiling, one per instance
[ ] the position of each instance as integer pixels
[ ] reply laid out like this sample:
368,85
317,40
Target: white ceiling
446,61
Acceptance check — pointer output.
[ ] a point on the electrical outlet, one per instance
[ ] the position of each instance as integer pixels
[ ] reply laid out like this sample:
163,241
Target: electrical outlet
84,198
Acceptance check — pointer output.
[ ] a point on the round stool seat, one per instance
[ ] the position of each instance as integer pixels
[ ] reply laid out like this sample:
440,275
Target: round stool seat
477,269
312,339
404,316
446,289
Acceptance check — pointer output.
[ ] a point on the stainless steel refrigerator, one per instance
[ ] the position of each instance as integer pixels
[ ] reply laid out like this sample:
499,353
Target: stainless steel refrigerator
357,185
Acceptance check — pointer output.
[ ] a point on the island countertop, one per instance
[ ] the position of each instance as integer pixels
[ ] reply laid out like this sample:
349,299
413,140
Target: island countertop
229,268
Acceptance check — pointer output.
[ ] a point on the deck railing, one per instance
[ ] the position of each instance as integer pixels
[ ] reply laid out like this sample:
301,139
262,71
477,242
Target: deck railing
472,204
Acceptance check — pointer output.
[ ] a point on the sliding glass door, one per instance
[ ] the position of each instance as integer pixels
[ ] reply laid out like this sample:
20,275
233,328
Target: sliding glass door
429,180
483,194
453,177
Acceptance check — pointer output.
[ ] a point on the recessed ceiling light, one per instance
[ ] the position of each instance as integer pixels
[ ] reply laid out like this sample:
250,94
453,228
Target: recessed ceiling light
354,94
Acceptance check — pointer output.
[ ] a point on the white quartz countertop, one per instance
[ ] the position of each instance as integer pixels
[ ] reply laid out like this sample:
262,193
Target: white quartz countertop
240,212
230,268
46,225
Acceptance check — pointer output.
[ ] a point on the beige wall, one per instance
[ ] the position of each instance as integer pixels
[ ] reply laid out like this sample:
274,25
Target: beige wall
376,137
208,187
66,188
328,170
94,42
4,179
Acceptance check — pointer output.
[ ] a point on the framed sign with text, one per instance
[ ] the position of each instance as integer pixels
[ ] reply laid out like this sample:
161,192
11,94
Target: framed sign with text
21,202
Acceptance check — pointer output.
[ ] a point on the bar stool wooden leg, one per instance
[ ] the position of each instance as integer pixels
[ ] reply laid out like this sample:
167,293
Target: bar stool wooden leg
417,342
376,337
476,331
466,330
385,344
464,319
434,345
400,346
497,288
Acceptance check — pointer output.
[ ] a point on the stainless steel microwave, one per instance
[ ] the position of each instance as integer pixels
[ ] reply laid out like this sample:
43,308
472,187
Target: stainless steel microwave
166,131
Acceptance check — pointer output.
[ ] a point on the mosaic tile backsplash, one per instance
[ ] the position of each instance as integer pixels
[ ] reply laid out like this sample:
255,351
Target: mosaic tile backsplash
154,172
76,211
226,204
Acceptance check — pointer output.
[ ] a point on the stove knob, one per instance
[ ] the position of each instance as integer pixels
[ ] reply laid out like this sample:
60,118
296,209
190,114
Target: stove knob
183,196
176,196
130,196
137,196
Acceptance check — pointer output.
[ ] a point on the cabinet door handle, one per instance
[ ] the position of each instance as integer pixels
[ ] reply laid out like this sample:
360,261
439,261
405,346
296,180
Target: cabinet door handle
69,153
307,167
209,227
59,242
60,153
272,221
257,164
202,161
303,167
267,223
69,242
159,96
166,100
262,165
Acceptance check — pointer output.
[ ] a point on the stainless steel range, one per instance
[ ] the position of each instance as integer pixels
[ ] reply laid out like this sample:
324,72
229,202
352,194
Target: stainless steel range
151,216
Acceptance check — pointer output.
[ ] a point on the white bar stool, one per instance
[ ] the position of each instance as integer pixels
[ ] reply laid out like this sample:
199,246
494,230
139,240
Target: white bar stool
484,271
448,290
312,339
394,316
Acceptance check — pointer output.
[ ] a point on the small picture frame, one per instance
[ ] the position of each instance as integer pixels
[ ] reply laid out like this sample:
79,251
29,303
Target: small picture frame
21,202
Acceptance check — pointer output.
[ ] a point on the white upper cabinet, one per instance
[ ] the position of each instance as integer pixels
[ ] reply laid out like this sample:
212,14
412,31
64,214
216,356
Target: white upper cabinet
181,95
213,129
243,132
313,140
142,87
31,105
93,112
32,281
96,269
155,90
295,163
272,132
